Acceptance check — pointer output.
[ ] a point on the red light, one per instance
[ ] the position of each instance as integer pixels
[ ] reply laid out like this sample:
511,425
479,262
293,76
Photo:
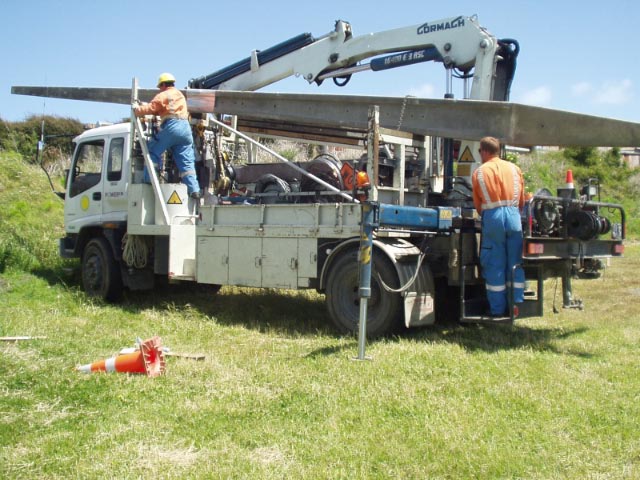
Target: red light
535,248
618,249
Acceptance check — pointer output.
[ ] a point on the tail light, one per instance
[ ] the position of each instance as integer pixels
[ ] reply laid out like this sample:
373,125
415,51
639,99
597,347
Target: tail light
535,248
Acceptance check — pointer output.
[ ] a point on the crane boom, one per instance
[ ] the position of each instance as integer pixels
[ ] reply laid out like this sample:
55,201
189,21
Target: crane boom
458,42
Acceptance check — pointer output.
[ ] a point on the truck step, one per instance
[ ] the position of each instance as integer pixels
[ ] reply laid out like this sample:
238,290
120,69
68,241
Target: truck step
487,320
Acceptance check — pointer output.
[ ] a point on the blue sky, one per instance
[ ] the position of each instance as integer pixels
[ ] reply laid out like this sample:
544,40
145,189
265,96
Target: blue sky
575,55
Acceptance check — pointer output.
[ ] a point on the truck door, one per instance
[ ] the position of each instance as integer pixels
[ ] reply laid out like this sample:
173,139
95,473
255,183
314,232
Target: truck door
114,203
83,204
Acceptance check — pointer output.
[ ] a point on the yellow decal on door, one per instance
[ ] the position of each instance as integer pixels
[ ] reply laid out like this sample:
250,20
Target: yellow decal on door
84,202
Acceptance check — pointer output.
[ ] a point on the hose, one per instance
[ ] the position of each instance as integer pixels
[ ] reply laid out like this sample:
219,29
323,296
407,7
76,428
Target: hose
411,280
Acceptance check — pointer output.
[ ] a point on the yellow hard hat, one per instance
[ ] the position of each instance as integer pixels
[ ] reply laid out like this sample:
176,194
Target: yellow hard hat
165,77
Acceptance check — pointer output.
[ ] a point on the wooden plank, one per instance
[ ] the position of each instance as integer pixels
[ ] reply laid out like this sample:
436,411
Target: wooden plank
327,130
513,123
190,356
258,131
89,94
20,338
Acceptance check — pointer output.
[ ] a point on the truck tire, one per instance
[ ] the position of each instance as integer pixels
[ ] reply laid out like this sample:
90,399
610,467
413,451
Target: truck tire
100,272
384,309
269,183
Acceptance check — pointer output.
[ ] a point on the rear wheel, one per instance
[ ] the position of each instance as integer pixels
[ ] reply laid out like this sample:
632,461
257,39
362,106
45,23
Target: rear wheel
384,309
100,272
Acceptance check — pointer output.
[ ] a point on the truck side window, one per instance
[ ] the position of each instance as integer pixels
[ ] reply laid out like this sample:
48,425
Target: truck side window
114,162
87,167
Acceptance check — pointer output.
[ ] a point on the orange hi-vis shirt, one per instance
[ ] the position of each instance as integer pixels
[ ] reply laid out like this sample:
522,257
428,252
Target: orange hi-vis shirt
167,104
497,183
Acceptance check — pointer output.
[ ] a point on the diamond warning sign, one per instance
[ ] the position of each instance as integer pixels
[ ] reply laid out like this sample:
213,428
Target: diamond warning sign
174,199
466,156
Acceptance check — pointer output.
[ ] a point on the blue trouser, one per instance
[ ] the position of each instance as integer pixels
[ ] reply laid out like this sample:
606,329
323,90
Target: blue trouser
500,250
175,135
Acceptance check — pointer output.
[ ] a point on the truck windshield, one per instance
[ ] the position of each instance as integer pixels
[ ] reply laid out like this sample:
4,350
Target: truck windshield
87,167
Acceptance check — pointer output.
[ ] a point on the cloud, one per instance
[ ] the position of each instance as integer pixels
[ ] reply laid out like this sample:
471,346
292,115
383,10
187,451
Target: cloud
580,89
540,96
423,91
615,92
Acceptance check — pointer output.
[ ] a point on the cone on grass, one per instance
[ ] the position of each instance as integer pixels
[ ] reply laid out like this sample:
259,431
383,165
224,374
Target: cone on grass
148,359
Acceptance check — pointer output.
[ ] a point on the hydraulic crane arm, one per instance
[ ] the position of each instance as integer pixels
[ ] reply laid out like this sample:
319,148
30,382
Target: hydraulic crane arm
458,42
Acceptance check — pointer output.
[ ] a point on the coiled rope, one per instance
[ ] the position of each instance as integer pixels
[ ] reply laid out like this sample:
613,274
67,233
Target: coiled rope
135,250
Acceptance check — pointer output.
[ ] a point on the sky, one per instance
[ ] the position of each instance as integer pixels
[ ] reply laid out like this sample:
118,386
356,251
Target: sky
574,55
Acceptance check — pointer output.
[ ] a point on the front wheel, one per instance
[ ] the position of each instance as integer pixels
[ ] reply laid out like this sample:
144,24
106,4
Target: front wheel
100,272
384,309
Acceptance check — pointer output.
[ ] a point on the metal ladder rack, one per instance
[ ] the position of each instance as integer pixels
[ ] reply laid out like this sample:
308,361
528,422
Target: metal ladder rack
137,133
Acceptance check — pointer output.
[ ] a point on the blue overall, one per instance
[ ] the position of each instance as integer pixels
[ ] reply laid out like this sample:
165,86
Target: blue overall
175,134
500,250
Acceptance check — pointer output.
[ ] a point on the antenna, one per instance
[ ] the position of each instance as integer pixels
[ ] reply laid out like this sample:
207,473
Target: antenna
40,148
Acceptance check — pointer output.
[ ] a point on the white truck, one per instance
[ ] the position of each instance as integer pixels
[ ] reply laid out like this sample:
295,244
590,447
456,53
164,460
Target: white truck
301,225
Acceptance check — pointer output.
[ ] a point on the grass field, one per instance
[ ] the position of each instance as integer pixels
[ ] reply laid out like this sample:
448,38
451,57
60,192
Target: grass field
279,396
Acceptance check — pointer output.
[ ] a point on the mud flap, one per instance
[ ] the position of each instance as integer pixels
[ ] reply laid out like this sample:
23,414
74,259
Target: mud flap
418,309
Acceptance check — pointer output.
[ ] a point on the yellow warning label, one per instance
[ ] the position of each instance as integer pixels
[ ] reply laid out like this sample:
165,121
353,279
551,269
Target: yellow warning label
464,170
466,156
84,202
174,199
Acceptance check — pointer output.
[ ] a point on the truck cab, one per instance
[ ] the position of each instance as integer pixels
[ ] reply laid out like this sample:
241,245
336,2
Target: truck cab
97,182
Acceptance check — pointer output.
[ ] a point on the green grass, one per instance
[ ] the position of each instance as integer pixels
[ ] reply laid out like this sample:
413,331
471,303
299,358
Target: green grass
279,396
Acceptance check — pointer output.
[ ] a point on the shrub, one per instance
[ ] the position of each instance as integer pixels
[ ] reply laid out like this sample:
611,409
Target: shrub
22,137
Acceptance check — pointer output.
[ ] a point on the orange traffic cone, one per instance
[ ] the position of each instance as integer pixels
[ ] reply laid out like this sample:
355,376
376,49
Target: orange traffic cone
149,359
569,180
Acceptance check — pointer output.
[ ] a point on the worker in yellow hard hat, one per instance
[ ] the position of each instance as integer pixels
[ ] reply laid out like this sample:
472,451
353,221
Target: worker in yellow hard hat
175,132
166,78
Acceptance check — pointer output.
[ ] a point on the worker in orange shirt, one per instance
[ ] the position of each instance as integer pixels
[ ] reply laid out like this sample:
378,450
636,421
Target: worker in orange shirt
175,132
498,196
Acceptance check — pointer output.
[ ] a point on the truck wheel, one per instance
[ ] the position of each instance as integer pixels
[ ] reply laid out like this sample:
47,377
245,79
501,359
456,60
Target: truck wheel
100,272
384,309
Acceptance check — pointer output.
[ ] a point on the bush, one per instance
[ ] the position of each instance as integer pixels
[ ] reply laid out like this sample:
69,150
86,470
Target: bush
22,137
618,183
31,219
